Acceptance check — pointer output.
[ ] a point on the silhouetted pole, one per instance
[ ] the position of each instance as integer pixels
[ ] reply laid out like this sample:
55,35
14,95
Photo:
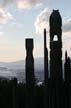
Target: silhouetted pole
45,60
45,71
30,77
67,70
55,57
65,66
29,67
66,56
55,46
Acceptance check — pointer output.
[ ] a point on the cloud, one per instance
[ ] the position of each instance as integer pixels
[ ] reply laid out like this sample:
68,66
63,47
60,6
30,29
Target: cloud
28,4
4,3
22,4
42,21
5,16
1,33
67,25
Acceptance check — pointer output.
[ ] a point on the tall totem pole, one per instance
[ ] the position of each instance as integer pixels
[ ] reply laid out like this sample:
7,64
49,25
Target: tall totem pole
55,46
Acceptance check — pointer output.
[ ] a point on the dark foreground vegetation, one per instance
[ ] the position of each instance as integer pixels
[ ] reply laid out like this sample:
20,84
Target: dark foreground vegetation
54,94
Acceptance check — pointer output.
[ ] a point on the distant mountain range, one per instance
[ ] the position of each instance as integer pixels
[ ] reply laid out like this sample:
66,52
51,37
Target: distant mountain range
17,69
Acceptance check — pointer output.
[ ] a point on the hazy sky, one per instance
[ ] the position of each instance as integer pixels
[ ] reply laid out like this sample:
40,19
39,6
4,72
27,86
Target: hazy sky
20,19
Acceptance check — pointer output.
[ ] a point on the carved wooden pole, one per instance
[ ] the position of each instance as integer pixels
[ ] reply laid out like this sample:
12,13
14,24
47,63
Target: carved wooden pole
29,67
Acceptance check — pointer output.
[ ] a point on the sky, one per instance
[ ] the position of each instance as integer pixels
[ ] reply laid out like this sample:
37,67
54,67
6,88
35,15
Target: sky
21,19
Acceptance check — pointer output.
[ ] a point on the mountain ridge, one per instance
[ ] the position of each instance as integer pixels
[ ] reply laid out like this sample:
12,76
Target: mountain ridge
17,69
